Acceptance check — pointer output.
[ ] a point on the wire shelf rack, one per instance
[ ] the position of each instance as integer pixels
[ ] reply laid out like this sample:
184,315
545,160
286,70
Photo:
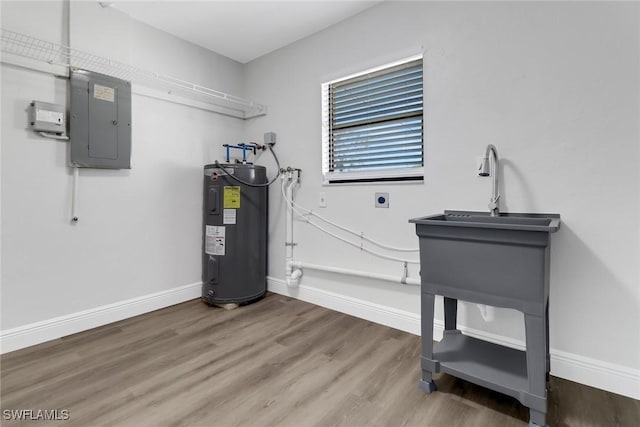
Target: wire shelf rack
60,55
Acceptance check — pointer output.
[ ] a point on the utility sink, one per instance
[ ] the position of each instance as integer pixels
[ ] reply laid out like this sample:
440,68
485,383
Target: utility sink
501,261
505,221
495,260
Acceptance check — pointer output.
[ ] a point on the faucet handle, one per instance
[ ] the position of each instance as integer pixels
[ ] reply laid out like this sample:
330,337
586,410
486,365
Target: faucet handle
493,203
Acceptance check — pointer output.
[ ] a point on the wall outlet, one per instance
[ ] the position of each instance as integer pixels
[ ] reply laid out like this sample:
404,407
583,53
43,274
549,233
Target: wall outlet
382,200
322,200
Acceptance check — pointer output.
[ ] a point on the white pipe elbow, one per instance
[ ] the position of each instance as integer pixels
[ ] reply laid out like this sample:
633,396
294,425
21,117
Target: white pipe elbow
294,279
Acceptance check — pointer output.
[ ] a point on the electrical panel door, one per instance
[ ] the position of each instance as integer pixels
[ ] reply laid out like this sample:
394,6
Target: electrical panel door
100,131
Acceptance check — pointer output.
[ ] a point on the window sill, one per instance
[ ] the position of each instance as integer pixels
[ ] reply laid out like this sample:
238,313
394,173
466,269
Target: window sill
403,177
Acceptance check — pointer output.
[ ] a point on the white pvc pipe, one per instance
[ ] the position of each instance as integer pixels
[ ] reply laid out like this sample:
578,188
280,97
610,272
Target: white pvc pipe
287,226
292,206
292,276
288,235
74,195
350,231
293,270
349,272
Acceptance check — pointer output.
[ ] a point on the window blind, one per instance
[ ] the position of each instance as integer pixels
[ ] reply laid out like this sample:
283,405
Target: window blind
375,120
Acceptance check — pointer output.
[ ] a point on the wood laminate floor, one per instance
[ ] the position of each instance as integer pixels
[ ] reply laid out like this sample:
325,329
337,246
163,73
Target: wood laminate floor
278,362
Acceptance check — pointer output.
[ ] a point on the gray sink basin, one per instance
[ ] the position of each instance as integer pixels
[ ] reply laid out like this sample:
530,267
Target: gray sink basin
500,261
505,221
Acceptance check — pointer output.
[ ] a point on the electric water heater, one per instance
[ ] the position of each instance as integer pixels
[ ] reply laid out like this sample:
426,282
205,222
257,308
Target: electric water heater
234,263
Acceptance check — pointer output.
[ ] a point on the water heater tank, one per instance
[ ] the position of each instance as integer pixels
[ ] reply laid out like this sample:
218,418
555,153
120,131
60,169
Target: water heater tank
234,256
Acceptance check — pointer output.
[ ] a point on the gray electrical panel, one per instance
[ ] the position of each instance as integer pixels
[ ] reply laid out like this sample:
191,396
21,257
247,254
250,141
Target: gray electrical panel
100,129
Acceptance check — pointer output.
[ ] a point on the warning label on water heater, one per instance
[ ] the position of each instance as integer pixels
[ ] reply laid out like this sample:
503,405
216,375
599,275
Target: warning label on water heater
231,197
229,216
214,240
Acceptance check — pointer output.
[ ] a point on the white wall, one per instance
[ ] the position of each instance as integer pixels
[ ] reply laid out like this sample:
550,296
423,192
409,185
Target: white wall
555,87
139,232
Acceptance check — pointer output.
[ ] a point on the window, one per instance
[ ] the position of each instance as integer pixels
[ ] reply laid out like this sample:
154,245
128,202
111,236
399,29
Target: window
372,125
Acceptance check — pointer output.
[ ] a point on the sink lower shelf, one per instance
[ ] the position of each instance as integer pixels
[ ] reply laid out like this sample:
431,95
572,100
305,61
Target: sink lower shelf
490,365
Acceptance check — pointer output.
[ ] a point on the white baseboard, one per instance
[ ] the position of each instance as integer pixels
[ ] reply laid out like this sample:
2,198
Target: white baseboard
47,330
595,373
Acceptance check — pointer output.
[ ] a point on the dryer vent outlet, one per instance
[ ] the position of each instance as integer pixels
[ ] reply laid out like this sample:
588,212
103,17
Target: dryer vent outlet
382,200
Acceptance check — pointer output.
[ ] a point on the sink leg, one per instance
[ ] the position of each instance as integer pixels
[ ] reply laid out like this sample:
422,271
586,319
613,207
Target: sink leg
546,322
537,361
537,419
426,324
450,313
427,385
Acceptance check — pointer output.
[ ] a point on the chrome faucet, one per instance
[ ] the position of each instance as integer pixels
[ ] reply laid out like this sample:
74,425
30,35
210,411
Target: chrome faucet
490,168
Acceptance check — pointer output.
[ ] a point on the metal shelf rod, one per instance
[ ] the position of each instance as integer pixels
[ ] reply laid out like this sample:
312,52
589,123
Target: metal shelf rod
60,55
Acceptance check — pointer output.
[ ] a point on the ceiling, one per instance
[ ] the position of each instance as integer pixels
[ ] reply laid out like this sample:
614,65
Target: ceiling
241,30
